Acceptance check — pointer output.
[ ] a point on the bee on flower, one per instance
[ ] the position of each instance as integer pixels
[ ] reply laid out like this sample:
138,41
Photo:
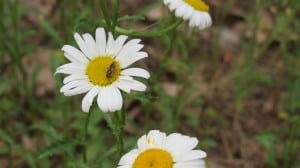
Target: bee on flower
100,68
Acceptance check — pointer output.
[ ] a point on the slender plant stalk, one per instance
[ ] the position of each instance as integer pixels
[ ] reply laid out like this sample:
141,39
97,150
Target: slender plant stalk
120,122
172,36
85,135
105,14
149,34
11,165
293,129
116,7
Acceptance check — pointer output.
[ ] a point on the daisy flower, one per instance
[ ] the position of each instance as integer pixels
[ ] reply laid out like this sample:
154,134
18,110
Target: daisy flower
100,69
196,11
157,150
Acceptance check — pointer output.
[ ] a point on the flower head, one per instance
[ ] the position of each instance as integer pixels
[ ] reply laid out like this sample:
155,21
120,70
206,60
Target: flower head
99,68
196,11
157,150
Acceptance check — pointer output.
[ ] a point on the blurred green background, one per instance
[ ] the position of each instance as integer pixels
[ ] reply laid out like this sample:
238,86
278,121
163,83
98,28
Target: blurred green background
234,86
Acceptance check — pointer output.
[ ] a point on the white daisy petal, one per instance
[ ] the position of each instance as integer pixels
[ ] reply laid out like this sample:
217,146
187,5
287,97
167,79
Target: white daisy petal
156,139
72,58
110,44
188,12
158,149
128,78
71,66
191,155
83,46
166,2
126,61
190,164
132,84
122,85
142,142
181,10
116,100
102,100
110,98
137,86
74,84
207,19
88,99
119,44
175,5
74,77
76,54
69,71
78,90
193,20
131,46
100,40
139,72
129,157
187,144
119,100
91,45
124,167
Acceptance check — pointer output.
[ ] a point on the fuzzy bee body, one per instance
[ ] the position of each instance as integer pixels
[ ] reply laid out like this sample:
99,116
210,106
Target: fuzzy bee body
110,70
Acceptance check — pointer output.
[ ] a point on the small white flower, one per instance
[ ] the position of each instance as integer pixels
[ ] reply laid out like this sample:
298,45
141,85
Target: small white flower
196,11
100,68
157,150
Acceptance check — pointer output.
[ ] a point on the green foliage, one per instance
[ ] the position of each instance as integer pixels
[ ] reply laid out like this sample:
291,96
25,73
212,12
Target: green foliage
269,141
188,59
50,31
6,137
59,146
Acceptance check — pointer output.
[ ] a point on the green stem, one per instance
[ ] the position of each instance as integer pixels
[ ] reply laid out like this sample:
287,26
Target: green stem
15,47
116,124
10,161
116,6
105,14
120,122
292,134
149,34
170,45
85,135
172,36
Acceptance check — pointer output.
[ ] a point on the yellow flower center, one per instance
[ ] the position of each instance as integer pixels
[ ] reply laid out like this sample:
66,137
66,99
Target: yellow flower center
198,5
103,70
153,158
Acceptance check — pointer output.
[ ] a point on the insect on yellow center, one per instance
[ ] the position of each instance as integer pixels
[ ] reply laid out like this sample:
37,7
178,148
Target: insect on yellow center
153,158
198,5
103,70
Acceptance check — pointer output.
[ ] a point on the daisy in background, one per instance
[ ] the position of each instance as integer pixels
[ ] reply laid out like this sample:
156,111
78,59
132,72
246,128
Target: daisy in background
196,11
157,150
100,69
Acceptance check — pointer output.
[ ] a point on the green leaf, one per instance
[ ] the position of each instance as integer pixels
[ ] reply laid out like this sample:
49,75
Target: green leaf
131,18
208,143
268,140
109,121
77,164
143,98
147,8
48,130
6,137
58,147
50,31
